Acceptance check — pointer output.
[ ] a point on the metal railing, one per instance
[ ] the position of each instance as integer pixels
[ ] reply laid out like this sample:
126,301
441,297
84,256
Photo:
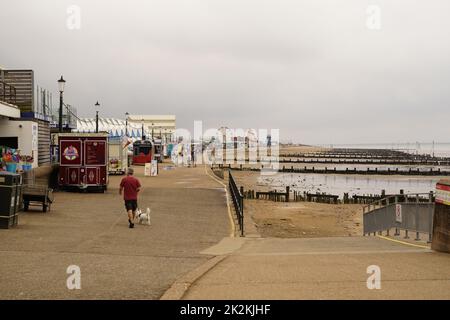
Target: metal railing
238,201
404,212
7,93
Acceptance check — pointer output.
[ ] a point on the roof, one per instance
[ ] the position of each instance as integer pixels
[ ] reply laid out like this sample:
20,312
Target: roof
136,117
82,134
115,127
444,181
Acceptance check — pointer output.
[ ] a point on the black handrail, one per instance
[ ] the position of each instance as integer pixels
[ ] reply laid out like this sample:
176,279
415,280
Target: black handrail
238,201
7,93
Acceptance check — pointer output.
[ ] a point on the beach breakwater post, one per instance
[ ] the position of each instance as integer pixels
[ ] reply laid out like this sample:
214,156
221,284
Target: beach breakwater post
441,221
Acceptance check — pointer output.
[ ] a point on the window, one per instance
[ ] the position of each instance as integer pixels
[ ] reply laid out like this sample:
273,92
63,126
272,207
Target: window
10,142
145,150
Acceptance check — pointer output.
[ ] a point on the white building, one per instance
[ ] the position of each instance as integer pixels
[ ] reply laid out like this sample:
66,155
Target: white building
16,133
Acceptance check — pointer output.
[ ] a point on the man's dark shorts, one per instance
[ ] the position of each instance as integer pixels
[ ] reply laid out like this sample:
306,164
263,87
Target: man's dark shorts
131,205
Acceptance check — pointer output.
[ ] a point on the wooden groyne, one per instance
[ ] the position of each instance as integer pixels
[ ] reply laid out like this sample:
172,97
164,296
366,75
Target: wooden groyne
361,156
369,161
411,162
348,171
297,196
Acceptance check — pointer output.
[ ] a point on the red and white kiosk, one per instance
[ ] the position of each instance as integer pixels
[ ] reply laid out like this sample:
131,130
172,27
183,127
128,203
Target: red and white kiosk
83,161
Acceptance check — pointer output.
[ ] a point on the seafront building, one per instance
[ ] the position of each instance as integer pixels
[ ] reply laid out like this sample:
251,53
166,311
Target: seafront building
27,116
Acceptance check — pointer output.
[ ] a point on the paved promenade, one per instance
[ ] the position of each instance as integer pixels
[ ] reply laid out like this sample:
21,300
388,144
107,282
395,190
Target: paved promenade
322,268
188,247
189,214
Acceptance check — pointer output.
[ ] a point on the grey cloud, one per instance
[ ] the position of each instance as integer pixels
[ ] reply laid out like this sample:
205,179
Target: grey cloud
310,68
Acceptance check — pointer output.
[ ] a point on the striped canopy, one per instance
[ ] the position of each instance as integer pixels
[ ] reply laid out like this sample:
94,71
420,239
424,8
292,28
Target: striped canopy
114,127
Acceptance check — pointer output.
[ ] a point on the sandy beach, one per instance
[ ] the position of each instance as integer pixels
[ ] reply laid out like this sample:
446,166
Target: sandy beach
297,219
304,219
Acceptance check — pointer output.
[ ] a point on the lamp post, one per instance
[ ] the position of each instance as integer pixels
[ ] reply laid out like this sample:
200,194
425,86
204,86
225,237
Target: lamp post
126,123
152,132
61,84
97,105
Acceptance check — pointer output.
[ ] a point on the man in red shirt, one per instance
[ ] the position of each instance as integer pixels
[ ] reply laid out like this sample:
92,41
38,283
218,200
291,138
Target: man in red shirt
130,187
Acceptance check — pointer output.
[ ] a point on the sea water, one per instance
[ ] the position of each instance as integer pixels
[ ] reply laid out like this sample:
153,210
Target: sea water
339,184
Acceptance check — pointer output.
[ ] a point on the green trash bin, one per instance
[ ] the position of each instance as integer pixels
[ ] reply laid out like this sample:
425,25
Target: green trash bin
10,185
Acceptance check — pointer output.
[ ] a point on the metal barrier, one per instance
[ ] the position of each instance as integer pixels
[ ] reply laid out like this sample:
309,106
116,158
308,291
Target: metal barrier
238,201
407,212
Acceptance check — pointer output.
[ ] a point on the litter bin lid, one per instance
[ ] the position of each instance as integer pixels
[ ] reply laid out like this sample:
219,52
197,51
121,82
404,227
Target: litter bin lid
9,178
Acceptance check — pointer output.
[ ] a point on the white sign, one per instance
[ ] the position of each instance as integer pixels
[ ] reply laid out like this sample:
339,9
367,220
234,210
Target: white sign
398,213
154,169
147,169
34,136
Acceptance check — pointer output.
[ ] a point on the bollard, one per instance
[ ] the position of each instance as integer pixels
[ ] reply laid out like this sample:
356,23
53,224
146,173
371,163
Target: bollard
397,232
387,232
417,237
406,234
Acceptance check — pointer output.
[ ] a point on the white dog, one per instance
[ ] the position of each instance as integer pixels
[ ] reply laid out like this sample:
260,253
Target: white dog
143,218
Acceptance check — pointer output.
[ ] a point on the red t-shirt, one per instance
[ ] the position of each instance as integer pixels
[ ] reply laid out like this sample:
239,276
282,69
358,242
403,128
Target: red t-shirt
130,185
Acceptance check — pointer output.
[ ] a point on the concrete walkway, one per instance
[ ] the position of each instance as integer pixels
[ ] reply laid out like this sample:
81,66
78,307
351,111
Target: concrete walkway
322,268
189,214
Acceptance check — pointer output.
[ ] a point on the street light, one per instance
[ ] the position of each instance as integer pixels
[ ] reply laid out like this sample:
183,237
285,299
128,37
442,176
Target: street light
61,84
143,132
97,105
126,123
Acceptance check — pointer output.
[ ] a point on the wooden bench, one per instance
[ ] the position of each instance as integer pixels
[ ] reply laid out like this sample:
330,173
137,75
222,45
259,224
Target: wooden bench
37,195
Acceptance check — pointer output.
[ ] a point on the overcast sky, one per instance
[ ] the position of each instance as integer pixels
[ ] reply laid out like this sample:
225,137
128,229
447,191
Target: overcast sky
311,68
